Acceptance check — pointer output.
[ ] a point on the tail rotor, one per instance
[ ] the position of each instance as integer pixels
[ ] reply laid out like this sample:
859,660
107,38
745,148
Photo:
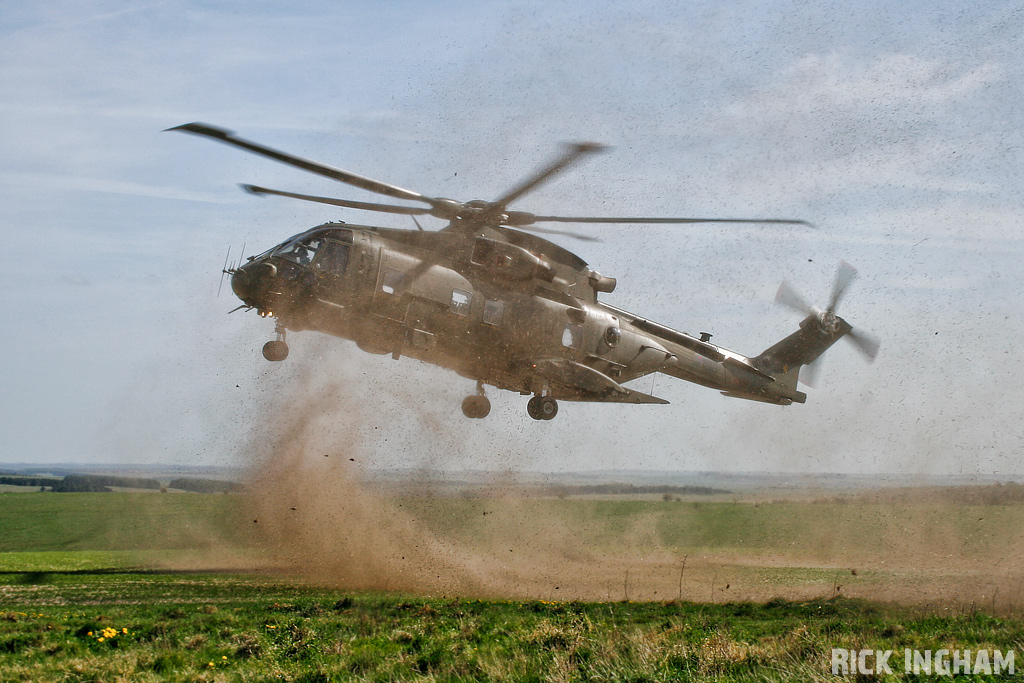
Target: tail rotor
827,323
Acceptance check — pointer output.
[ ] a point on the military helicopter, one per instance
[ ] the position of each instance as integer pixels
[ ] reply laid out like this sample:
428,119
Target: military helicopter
486,297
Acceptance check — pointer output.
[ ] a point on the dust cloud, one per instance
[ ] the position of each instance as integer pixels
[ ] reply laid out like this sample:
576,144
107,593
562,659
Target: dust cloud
312,516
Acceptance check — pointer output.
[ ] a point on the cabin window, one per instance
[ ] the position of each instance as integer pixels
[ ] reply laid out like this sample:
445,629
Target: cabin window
572,336
460,302
392,280
493,312
301,252
333,258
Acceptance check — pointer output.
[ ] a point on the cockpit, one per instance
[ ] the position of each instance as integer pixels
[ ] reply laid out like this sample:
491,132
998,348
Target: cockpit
301,251
326,252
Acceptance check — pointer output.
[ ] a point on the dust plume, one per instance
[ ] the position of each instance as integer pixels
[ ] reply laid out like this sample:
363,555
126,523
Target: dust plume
312,516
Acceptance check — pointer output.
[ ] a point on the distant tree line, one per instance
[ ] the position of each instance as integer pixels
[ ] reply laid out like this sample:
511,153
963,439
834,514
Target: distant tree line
28,481
79,483
101,483
205,485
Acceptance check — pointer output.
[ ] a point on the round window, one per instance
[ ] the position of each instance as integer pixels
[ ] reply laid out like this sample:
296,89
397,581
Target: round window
612,336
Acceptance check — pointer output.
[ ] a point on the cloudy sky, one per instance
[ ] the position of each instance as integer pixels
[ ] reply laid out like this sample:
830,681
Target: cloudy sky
895,128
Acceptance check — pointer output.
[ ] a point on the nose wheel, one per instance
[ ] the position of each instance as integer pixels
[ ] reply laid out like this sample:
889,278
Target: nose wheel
542,408
477,406
276,350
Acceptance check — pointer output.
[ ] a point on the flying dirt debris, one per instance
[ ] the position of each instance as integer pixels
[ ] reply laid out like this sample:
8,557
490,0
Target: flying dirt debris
488,299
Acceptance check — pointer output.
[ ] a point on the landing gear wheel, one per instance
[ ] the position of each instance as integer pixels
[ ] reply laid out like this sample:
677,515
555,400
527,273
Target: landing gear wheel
476,407
275,350
542,407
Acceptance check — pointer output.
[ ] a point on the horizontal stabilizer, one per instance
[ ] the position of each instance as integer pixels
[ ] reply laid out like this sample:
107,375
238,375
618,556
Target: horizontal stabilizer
631,396
577,382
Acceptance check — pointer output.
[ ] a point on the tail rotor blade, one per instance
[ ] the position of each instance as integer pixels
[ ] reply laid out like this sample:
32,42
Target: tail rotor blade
811,373
788,297
844,277
867,344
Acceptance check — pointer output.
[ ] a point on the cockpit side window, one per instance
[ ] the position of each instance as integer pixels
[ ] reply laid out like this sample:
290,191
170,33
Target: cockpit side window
333,258
301,252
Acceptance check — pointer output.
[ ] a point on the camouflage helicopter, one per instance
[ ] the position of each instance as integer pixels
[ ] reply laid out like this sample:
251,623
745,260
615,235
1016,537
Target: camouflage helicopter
499,305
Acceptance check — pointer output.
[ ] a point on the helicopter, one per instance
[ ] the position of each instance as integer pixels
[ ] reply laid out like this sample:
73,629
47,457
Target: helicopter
489,298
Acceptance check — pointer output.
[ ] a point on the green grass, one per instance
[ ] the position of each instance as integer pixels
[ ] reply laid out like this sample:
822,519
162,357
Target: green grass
115,521
231,628
152,521
72,565
836,530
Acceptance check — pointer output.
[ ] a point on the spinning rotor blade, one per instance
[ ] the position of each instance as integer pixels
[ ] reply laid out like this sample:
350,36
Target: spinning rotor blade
811,373
366,206
573,154
788,297
359,181
667,221
865,343
828,322
468,214
844,277
566,233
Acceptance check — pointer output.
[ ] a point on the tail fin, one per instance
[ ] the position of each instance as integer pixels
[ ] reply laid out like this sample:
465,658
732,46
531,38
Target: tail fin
816,334
818,331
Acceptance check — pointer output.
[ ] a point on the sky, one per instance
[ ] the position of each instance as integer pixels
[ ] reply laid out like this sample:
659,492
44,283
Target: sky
896,128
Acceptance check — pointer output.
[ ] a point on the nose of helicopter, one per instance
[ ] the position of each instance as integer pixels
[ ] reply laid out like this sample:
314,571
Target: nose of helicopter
242,284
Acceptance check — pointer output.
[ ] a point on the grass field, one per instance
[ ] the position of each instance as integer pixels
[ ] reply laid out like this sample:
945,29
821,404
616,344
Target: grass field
78,568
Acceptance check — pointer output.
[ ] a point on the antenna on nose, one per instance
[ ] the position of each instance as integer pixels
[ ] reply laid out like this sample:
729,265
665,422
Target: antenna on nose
224,271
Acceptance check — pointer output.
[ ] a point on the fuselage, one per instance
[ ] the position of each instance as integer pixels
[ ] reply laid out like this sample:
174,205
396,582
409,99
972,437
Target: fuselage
501,307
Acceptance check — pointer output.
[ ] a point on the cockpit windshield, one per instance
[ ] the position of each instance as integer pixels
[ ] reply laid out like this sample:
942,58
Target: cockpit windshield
301,251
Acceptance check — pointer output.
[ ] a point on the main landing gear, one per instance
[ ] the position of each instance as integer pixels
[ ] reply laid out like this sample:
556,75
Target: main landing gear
276,350
542,407
477,406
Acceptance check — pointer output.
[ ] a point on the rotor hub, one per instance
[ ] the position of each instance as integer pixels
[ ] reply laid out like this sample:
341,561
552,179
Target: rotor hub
829,322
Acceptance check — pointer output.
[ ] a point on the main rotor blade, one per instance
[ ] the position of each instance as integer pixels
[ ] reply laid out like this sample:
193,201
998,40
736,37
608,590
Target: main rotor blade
667,221
787,296
359,181
844,277
573,154
365,206
865,343
566,233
